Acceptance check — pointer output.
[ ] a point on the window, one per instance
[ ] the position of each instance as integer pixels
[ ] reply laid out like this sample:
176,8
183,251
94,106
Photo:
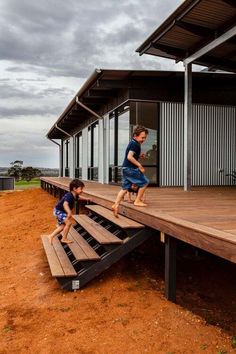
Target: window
67,170
78,155
93,152
119,133
146,113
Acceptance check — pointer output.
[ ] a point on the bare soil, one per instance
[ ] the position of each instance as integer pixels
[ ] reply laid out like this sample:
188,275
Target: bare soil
122,311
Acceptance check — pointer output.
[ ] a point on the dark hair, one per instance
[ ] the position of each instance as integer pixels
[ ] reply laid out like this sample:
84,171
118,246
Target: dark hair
139,129
76,183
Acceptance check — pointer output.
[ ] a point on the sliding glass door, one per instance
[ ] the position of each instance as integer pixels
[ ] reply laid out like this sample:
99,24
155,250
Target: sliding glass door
78,155
93,152
119,136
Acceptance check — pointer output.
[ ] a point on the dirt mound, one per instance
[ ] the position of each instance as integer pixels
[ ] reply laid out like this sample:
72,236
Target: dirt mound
122,311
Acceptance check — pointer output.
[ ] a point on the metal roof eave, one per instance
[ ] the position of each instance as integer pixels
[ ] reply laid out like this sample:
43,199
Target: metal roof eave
180,12
165,40
93,77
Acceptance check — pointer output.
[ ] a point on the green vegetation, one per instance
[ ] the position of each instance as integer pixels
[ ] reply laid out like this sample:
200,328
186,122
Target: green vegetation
23,173
34,183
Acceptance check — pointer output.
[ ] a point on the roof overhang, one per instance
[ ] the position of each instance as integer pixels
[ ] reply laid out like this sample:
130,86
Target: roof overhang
97,91
105,86
203,27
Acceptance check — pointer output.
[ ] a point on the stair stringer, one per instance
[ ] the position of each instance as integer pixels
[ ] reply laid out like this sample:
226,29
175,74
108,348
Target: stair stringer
111,257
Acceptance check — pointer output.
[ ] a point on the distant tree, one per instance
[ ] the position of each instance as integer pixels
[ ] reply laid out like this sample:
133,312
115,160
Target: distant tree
29,173
15,169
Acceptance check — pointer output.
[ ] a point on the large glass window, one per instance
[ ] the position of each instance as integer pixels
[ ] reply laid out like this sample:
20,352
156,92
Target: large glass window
112,140
93,152
146,113
123,135
119,133
122,123
78,155
67,171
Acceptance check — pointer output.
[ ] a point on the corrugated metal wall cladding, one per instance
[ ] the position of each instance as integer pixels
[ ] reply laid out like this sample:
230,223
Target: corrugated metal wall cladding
214,143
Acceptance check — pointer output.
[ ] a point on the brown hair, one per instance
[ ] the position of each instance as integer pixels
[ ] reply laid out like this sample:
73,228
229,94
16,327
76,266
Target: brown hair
76,183
139,129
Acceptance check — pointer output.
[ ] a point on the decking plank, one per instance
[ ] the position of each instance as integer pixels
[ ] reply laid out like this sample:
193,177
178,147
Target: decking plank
122,221
64,260
98,232
204,217
86,252
53,261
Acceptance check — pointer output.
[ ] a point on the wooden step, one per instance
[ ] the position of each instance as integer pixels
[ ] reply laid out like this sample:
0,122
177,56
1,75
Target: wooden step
121,221
98,232
59,263
80,248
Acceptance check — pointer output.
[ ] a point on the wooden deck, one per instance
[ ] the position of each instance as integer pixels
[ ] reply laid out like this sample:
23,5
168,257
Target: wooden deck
204,217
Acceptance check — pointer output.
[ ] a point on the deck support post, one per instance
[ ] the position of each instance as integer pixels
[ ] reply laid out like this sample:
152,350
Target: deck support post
170,268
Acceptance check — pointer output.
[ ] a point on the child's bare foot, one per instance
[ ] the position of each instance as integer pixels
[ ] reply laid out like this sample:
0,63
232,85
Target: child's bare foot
140,204
114,208
50,239
66,240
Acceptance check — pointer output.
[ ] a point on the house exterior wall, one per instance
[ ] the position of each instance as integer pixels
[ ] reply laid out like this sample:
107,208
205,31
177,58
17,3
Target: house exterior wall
213,148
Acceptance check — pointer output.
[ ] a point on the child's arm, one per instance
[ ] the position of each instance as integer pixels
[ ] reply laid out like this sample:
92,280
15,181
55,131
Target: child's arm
67,209
131,158
84,198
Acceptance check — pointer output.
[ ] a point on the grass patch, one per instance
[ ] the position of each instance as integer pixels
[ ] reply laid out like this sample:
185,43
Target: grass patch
34,183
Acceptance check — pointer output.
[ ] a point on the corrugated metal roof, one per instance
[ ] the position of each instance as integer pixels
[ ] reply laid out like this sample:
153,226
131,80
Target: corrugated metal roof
194,24
73,112
105,84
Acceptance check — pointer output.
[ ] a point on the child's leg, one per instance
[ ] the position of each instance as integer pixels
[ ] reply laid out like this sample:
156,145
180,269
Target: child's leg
119,197
129,197
68,224
55,232
138,200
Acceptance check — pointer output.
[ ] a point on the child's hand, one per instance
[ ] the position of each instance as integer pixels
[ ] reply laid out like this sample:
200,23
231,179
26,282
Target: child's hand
141,169
142,156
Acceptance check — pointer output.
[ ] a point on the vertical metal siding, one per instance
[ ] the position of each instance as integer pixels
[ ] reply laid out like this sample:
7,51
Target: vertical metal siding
214,142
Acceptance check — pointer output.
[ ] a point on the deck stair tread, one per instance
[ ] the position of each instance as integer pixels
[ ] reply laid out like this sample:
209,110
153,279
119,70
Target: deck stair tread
99,233
80,248
59,263
121,221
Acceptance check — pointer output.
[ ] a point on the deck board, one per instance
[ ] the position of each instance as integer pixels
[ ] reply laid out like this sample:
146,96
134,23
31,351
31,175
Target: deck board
204,217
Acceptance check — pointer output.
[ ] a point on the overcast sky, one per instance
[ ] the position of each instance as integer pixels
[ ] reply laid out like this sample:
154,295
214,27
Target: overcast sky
48,48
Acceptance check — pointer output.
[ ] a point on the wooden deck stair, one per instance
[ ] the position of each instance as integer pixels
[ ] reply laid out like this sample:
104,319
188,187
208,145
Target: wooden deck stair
99,240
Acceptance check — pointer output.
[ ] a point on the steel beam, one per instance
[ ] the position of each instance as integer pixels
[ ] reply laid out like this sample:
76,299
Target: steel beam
212,45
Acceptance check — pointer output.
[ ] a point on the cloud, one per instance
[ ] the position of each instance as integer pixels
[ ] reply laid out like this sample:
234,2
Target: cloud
69,39
50,47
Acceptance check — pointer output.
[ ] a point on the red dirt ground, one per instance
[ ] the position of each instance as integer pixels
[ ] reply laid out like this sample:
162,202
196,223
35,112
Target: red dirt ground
122,311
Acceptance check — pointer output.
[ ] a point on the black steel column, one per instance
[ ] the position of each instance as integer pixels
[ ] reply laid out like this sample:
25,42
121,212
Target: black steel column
170,268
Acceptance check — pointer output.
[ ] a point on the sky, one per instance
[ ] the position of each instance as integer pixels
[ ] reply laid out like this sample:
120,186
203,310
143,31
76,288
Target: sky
48,49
